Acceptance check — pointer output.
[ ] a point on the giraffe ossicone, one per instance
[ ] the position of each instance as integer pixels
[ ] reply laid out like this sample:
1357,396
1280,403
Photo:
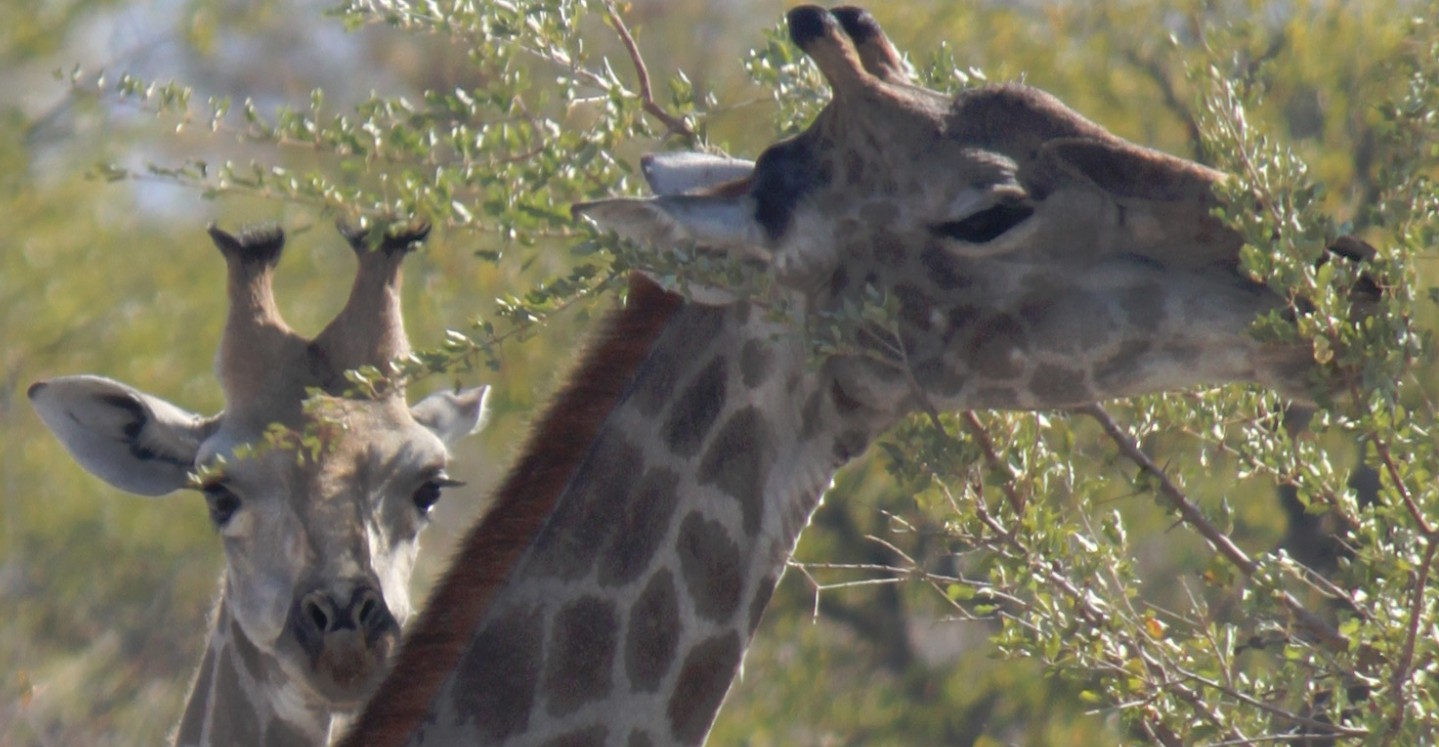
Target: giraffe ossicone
1035,261
319,547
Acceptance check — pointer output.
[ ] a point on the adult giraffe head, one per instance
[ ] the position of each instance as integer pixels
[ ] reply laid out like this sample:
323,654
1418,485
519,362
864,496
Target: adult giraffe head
319,543
1032,258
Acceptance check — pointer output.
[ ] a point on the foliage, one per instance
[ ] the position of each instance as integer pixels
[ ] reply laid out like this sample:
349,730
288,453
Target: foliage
1122,574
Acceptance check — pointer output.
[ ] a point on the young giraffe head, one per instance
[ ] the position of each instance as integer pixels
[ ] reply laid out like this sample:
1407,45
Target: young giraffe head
319,546
1031,258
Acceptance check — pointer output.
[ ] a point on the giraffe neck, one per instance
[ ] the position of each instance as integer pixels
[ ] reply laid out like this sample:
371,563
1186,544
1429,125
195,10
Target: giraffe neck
626,619
241,696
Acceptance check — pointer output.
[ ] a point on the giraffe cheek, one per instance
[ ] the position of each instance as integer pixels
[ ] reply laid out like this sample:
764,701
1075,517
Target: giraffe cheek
394,574
261,607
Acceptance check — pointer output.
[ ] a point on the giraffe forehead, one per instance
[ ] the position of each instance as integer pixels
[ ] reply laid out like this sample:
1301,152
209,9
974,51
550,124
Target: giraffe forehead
338,445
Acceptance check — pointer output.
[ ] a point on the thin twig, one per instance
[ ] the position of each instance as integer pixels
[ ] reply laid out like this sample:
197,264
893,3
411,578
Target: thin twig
991,457
1381,447
1192,516
1323,728
674,125
1406,656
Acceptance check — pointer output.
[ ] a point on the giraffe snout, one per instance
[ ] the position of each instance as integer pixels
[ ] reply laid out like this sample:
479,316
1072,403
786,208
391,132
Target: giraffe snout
322,613
347,635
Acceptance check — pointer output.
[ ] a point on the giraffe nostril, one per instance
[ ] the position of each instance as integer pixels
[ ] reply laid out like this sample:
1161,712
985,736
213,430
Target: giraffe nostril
316,614
372,617
367,608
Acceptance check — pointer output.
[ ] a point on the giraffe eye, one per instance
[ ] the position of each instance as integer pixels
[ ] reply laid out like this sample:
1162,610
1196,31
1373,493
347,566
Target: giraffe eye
988,224
428,494
223,503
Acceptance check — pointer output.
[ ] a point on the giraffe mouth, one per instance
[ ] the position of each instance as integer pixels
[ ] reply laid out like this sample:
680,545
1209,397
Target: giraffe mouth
349,667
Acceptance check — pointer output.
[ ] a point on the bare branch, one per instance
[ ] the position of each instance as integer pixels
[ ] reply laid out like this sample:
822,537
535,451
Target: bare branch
673,125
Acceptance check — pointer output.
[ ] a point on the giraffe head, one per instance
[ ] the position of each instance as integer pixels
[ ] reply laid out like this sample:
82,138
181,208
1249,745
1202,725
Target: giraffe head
319,544
1028,257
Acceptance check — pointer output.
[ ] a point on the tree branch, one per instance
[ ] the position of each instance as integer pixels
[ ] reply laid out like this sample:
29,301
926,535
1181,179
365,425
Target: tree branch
1192,516
673,125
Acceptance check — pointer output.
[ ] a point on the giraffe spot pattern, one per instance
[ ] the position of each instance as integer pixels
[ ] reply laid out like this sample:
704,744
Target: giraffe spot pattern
657,380
960,318
1123,366
710,564
943,268
756,362
653,634
590,736
581,654
586,516
694,413
1058,384
703,680
1143,307
939,375
642,528
999,342
737,463
496,680
889,249
996,397
914,305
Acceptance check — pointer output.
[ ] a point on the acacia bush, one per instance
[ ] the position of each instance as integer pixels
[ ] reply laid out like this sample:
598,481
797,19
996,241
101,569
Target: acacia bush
1119,574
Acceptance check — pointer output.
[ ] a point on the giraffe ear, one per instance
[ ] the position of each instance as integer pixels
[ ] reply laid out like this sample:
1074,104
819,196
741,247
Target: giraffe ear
702,202
699,201
709,221
136,442
453,415
678,172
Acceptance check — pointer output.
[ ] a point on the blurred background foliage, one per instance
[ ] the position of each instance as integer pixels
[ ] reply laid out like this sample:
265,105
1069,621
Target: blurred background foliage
108,181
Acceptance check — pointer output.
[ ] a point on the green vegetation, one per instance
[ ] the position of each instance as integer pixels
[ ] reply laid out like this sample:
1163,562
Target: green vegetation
977,579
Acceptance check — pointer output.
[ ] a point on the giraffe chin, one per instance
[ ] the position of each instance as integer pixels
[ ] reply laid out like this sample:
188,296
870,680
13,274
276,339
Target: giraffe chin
349,667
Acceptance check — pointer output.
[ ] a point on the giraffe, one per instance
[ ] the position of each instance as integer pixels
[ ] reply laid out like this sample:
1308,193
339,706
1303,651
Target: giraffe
1033,260
319,549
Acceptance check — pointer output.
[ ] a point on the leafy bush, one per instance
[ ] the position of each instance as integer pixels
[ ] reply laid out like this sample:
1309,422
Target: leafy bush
1123,573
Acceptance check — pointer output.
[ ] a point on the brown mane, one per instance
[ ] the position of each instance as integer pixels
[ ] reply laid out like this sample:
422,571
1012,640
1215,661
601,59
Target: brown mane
526,498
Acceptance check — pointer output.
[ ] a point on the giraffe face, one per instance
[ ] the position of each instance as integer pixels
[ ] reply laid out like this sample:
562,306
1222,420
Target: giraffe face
1027,257
319,547
319,551
320,536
